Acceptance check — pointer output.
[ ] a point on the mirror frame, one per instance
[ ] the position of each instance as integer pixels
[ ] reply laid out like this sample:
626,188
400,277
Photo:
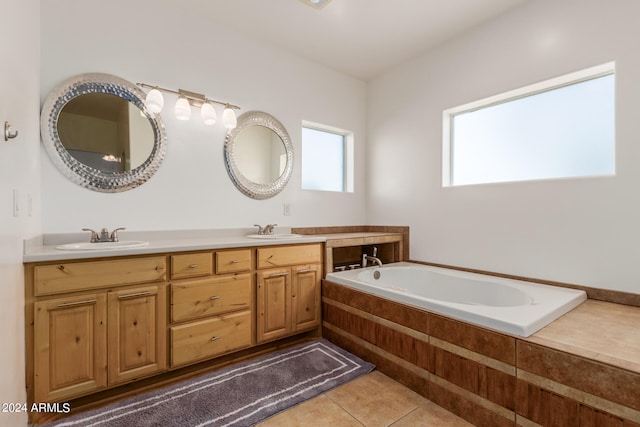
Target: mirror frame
84,175
245,185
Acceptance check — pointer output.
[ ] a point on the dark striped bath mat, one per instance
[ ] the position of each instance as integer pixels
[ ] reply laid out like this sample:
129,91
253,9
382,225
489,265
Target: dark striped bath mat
238,395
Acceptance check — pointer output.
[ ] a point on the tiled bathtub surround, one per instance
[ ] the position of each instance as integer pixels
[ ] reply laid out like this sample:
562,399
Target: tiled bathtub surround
489,378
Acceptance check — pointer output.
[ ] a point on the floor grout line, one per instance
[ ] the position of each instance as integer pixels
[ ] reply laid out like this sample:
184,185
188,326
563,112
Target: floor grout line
405,415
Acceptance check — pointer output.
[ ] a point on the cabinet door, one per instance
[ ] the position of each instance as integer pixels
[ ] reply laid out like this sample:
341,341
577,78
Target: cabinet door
305,296
137,332
274,304
70,346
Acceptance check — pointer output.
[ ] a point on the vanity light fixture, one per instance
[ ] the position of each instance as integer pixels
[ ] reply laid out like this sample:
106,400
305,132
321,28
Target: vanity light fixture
229,118
182,109
208,114
186,99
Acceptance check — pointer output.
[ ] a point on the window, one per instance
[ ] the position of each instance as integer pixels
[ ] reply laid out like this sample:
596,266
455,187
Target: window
327,158
564,127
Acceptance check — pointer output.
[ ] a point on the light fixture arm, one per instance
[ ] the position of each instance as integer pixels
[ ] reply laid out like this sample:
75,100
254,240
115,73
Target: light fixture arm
194,98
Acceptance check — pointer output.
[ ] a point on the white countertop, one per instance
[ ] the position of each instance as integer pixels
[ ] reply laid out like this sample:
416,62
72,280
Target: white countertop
43,248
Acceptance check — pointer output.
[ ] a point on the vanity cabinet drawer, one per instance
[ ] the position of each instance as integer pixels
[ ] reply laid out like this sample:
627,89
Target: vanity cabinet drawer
76,276
233,261
208,338
191,265
269,257
199,298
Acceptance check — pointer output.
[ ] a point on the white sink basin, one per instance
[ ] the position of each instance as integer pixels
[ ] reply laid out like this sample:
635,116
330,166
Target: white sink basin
274,236
87,246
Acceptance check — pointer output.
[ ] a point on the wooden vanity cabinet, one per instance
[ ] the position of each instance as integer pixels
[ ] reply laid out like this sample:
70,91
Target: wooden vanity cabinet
101,323
305,307
288,297
274,304
84,341
136,332
70,346
212,314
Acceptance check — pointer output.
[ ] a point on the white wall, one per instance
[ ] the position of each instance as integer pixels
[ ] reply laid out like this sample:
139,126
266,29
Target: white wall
19,170
584,231
148,41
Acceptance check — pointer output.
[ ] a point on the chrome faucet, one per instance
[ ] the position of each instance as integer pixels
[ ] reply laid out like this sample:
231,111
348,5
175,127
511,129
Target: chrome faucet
104,235
267,229
366,258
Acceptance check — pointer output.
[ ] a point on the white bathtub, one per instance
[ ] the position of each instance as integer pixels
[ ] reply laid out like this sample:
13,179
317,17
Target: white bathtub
510,306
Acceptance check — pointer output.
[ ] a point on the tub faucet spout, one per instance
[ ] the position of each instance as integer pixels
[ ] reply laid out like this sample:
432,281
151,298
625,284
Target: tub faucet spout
366,258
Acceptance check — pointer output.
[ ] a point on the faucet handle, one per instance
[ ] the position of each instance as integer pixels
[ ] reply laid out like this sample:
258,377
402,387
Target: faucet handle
114,234
268,229
94,235
260,229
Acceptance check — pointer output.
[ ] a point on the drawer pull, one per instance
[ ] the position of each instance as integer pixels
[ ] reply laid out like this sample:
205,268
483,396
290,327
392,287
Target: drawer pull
71,304
139,294
214,339
279,274
306,270
234,261
193,266
215,297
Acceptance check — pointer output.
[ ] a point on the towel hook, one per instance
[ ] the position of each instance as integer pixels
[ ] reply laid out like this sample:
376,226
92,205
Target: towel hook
8,134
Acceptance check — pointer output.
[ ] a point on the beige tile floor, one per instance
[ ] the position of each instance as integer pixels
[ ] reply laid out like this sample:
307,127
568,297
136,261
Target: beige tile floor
371,400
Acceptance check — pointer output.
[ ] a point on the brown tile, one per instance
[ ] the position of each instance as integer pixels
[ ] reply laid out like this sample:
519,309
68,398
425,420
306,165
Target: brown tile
493,344
590,417
396,343
401,314
603,380
522,397
375,399
497,387
317,411
456,370
395,312
431,415
347,296
563,411
466,409
598,330
423,354
350,322
549,409
406,377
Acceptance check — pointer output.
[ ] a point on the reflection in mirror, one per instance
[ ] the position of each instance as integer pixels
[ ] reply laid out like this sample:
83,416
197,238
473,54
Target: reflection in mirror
105,132
98,132
258,155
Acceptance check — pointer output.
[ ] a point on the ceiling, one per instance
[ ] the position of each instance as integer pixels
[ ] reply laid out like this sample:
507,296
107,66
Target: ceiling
361,38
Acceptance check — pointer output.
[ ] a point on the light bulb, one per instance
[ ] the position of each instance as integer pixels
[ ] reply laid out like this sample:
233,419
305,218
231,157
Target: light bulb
182,109
209,116
229,118
154,101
